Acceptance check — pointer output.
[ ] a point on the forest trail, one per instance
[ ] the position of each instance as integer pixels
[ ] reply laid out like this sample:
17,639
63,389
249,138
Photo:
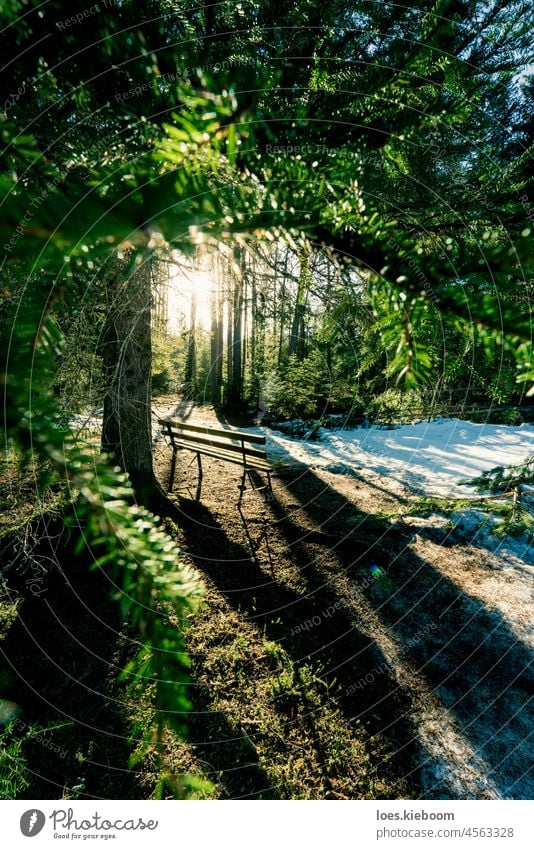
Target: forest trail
418,631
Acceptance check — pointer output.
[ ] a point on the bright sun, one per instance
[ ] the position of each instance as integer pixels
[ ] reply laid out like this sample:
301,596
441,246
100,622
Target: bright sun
184,283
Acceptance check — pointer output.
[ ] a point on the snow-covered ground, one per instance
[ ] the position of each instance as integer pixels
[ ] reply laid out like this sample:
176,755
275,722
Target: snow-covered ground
430,458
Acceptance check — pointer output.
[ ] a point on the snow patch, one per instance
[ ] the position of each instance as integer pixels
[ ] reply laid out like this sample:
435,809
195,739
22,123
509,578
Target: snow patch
430,458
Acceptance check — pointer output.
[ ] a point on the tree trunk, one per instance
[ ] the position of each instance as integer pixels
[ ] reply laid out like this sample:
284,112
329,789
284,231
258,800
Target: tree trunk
297,339
282,322
214,348
235,388
244,313
190,375
283,303
253,321
220,337
328,308
229,331
127,362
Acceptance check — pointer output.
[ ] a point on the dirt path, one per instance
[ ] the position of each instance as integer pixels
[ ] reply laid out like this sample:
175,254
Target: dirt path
351,656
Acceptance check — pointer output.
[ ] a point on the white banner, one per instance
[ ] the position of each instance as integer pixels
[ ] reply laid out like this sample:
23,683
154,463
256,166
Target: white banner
268,824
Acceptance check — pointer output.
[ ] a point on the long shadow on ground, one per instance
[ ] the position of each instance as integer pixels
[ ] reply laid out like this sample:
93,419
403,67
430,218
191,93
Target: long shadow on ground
58,663
465,653
226,752
340,651
468,654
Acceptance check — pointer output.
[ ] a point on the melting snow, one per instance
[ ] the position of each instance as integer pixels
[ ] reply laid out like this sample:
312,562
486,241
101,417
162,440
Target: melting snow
427,457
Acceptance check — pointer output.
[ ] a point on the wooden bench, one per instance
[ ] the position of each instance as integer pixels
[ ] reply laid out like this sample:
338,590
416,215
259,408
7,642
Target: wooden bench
232,446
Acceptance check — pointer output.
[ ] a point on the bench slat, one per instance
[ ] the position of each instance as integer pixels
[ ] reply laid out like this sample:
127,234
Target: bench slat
221,432
218,444
220,454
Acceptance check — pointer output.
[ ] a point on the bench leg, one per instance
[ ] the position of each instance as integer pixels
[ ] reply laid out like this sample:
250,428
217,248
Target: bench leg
173,469
266,533
200,476
255,544
242,487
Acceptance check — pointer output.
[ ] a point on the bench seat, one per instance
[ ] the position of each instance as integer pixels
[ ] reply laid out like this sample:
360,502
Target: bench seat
232,446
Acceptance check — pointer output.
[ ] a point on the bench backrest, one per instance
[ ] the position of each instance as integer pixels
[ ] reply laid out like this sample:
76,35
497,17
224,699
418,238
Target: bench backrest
199,436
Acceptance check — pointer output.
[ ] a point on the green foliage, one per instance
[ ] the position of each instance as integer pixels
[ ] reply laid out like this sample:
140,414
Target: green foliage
409,358
425,505
505,479
516,518
395,405
296,389
183,787
13,767
79,369
14,775
507,519
167,362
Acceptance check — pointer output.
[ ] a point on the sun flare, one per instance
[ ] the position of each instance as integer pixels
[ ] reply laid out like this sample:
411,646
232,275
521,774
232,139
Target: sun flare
188,287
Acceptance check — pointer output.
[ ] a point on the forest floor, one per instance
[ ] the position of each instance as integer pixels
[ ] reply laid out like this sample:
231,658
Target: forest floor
361,650
374,645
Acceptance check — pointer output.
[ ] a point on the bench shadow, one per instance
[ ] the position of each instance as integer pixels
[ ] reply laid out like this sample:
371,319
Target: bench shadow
468,654
341,652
